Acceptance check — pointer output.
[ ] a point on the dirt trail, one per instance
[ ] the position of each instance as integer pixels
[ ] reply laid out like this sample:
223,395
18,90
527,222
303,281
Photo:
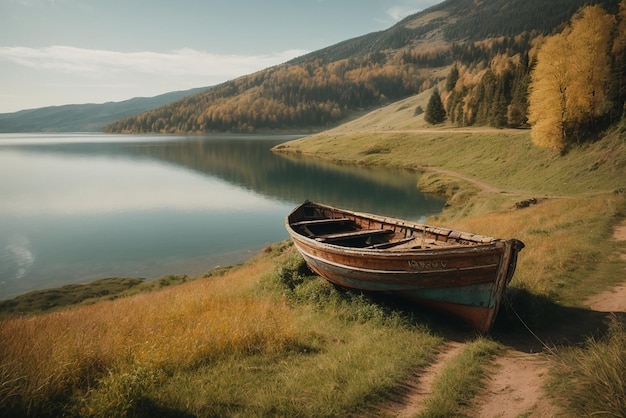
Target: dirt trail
516,388
481,184
421,387
515,384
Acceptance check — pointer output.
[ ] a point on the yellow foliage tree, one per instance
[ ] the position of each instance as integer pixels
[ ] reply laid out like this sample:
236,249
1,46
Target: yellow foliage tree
569,87
619,55
547,111
590,40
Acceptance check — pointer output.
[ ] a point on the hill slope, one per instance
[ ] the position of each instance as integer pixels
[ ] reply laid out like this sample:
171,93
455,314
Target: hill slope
323,88
83,117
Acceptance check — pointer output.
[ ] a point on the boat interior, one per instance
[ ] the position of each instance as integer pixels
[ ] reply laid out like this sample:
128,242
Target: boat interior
351,230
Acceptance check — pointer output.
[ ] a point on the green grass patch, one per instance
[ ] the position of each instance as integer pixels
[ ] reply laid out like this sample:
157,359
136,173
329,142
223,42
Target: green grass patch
50,299
506,159
461,380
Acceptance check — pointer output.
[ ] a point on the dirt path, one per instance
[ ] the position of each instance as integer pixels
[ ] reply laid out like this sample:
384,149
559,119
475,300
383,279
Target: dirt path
516,380
516,388
421,387
484,186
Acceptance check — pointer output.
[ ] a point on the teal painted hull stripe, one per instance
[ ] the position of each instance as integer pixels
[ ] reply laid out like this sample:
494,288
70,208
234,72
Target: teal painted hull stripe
474,295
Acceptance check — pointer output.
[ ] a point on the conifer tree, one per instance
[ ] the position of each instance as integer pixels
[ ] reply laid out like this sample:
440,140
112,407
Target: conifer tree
452,78
435,112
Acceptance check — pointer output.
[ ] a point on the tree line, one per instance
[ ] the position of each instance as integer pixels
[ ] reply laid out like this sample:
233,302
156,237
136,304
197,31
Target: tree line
498,81
315,93
491,90
286,96
566,86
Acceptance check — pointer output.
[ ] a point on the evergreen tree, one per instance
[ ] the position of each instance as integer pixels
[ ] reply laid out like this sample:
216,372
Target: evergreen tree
435,112
453,77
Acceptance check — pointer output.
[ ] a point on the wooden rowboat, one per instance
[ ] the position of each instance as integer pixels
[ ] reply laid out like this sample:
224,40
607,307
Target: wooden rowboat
457,273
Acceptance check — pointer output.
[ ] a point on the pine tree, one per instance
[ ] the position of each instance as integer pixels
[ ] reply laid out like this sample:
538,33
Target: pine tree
452,78
435,112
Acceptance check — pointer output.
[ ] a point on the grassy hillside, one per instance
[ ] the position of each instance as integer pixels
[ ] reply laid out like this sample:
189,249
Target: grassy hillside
270,338
505,158
325,87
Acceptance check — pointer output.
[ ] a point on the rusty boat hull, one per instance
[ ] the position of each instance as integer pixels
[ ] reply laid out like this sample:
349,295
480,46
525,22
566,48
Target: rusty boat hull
457,273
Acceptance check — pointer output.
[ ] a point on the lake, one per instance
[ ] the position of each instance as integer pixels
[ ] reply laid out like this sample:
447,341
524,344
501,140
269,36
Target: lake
79,207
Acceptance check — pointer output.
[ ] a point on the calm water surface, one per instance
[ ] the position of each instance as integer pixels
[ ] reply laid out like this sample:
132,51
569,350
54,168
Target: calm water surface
78,207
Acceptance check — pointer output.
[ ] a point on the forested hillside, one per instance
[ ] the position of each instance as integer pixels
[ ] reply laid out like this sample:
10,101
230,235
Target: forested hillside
479,53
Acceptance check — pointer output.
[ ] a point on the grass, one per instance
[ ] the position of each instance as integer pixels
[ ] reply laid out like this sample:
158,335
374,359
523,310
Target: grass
577,200
270,338
50,357
505,159
460,381
591,380
46,300
246,343
49,299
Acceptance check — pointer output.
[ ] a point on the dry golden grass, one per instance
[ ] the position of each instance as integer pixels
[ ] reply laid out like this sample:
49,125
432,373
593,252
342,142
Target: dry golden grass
562,237
591,380
46,356
231,345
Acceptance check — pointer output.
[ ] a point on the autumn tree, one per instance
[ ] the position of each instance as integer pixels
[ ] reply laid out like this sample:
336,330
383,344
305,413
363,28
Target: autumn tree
435,112
590,38
547,108
618,87
569,87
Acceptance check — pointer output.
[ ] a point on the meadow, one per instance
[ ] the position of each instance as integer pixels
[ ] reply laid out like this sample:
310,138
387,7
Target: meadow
269,338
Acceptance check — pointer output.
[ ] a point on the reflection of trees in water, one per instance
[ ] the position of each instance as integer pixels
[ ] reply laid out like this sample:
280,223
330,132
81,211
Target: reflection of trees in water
250,164
247,162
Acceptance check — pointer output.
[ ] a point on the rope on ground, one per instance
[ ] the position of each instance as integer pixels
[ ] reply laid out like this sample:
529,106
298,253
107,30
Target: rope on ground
510,305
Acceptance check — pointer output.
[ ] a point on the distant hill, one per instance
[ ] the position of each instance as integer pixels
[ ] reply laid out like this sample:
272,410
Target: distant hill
84,117
487,41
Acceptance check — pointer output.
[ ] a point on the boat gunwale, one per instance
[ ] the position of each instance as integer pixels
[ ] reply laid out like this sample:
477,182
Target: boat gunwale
480,243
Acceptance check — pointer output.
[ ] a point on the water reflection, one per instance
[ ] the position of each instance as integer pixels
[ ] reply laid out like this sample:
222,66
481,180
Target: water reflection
247,163
81,207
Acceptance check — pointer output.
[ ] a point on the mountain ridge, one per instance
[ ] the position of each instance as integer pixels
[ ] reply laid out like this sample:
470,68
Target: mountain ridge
324,88
88,117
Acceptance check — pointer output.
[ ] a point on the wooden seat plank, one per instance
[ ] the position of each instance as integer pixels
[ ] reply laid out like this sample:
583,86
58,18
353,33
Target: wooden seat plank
321,222
353,234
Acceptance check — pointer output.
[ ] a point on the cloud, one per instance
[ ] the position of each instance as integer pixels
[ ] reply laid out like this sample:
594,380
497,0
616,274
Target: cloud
406,8
183,62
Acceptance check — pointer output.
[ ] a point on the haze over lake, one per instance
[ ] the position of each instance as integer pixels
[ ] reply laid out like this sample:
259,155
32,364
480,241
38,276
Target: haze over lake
79,207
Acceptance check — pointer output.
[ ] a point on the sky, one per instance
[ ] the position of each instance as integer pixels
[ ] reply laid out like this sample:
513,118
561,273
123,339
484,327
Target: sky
56,52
